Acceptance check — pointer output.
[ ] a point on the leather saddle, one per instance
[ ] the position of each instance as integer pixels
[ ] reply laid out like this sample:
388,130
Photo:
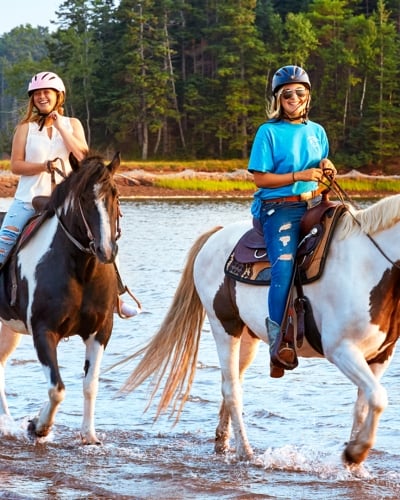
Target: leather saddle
249,261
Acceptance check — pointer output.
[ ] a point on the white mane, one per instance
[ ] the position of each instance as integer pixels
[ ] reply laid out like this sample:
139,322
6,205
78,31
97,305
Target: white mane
381,215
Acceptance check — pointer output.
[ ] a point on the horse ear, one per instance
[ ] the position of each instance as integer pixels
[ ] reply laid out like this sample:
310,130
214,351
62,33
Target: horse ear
73,162
115,163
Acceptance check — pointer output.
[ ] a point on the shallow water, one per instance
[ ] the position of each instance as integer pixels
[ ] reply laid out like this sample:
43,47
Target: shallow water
297,425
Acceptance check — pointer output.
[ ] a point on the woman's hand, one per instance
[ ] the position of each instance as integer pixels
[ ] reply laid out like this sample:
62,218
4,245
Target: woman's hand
311,174
328,168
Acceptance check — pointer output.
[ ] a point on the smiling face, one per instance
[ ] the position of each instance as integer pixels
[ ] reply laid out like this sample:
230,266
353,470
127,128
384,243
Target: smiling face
294,98
45,100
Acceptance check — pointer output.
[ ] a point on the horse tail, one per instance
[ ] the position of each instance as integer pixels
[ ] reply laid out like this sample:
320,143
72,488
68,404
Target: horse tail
176,343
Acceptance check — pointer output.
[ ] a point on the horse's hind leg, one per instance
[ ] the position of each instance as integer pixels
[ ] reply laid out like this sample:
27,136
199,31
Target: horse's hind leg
9,341
94,355
248,350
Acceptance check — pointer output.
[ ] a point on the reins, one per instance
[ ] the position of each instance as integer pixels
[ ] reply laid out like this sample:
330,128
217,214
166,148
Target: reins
331,184
53,170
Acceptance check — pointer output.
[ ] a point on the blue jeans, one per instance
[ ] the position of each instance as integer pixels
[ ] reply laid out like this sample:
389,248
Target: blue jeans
14,222
281,228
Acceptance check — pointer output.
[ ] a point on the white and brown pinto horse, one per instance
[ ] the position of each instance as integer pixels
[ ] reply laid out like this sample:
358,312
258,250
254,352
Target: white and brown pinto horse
355,305
63,282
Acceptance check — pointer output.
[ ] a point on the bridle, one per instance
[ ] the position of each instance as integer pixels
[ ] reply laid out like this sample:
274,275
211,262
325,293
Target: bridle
91,248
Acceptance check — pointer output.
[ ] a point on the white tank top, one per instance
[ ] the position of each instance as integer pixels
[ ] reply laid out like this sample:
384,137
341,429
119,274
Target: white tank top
40,148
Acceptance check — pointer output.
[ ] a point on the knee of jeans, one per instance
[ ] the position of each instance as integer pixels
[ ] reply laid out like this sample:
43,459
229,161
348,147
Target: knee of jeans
9,234
286,256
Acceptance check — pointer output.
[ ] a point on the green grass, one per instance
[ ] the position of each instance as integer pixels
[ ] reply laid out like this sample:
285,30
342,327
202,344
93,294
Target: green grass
378,185
205,184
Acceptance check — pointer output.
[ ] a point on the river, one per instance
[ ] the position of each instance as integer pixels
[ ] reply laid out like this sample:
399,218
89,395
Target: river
297,425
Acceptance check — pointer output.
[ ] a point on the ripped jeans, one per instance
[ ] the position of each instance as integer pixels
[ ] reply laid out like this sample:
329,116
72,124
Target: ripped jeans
14,222
281,227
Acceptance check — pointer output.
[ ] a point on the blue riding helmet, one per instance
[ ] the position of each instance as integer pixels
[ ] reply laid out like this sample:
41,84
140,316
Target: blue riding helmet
289,74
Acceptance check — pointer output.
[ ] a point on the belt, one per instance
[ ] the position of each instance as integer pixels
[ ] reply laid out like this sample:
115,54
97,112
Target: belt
309,195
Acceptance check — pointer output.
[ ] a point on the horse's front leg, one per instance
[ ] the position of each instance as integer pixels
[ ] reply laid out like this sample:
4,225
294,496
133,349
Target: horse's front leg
46,347
372,401
94,355
228,352
9,341
248,350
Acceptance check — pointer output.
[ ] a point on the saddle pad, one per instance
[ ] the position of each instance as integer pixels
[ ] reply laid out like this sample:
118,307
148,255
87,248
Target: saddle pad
253,273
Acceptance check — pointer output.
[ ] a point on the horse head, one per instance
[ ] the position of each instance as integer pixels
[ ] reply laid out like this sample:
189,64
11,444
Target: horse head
86,205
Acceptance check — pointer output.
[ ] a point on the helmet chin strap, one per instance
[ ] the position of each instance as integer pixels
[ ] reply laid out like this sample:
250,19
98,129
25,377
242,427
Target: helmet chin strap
303,116
42,120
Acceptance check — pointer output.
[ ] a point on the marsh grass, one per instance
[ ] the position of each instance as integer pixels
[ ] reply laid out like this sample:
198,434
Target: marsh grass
379,185
205,184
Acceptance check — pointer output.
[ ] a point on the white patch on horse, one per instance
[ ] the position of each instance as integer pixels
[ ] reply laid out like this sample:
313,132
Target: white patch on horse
30,256
105,231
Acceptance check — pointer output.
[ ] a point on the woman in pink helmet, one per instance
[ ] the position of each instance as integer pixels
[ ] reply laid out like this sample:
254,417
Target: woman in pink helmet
42,137
43,134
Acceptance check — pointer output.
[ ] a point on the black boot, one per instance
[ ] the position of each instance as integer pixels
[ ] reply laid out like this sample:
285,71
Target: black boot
283,355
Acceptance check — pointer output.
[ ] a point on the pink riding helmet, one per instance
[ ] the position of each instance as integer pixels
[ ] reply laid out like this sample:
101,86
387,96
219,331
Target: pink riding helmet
46,80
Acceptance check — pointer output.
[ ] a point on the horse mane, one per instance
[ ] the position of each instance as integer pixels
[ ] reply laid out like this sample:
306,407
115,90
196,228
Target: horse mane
92,169
380,216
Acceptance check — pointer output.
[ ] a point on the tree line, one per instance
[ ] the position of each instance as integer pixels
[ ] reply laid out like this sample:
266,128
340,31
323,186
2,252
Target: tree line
187,79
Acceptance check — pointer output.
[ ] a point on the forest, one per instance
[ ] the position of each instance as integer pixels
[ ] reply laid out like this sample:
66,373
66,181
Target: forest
190,79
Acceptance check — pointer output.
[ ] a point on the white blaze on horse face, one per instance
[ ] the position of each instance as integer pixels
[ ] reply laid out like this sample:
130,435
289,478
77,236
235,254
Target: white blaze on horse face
105,224
30,256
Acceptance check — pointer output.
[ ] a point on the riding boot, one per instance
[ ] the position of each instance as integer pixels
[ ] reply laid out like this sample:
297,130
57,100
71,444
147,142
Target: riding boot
283,355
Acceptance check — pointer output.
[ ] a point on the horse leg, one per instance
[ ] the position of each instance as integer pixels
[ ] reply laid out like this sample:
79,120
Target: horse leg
9,341
46,343
94,355
361,405
248,350
371,403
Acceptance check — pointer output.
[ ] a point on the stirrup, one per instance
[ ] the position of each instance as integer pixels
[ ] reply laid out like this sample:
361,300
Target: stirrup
285,357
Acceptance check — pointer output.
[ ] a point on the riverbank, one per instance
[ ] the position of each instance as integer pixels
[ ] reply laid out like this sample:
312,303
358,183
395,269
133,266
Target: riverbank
141,184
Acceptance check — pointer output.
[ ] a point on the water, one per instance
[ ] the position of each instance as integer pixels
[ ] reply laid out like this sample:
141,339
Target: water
297,425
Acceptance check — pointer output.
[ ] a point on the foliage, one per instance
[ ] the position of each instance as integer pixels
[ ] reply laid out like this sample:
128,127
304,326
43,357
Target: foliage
189,78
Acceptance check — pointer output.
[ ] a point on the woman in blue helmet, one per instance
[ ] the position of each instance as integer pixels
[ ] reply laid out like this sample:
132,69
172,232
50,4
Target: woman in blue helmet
287,160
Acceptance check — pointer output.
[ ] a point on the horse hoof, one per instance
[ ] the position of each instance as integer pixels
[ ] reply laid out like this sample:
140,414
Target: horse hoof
350,458
34,433
92,440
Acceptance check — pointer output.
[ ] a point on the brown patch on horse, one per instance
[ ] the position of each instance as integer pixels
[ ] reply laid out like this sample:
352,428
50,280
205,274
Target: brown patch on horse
226,309
384,301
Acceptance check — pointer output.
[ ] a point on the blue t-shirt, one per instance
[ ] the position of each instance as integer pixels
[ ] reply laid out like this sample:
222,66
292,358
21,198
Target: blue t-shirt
280,147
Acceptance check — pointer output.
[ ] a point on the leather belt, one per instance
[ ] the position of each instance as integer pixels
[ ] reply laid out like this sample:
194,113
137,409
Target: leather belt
309,195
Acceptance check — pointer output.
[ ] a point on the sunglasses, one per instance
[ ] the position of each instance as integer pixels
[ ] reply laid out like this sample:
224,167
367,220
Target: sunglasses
288,93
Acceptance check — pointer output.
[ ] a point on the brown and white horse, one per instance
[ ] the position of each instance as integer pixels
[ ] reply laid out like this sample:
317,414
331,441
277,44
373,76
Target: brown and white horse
63,282
355,305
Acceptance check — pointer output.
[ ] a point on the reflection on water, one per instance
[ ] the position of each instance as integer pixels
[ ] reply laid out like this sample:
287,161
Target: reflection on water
297,425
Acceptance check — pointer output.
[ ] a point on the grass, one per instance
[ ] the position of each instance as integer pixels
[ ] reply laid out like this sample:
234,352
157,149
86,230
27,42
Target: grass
205,185
367,185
